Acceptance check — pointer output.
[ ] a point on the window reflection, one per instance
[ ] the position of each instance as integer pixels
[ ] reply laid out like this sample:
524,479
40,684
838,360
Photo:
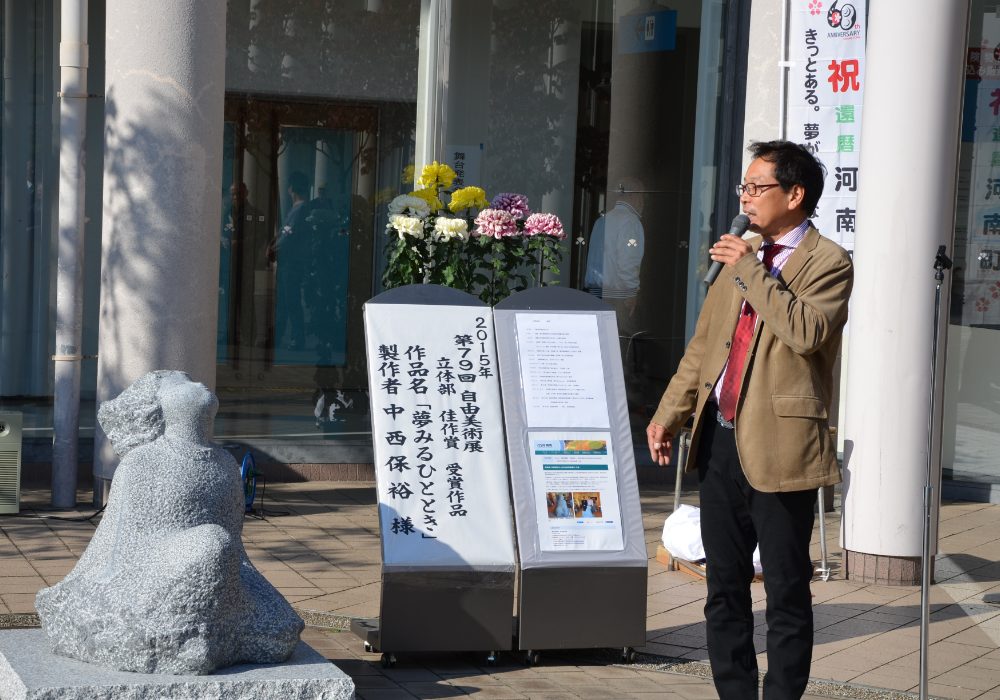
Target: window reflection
971,432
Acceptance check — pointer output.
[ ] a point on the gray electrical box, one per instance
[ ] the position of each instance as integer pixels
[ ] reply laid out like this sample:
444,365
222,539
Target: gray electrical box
10,462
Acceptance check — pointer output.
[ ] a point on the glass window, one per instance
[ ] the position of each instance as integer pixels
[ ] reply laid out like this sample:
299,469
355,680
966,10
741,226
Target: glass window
971,437
320,114
30,177
29,186
605,113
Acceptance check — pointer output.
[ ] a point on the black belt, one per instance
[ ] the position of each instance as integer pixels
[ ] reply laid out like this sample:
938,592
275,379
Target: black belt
713,407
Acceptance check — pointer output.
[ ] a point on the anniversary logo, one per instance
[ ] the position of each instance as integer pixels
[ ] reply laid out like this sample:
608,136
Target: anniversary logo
844,18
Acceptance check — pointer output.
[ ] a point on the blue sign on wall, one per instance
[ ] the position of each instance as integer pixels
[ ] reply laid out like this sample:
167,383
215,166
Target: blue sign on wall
650,31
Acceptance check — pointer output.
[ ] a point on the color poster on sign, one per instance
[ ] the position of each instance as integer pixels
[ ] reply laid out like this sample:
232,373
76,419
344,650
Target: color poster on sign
576,491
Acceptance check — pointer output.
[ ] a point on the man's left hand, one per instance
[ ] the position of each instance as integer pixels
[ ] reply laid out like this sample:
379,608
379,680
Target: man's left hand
729,249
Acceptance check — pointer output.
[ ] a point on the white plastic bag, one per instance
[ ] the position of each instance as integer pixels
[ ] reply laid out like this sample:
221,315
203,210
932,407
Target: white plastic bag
682,533
682,536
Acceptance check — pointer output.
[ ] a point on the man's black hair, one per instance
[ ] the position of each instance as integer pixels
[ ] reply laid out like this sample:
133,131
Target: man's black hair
299,184
793,165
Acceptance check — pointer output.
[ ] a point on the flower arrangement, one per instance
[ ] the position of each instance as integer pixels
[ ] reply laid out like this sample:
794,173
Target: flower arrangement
490,249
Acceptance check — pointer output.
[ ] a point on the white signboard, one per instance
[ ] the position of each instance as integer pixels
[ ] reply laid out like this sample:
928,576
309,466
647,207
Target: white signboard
825,88
440,461
576,491
561,371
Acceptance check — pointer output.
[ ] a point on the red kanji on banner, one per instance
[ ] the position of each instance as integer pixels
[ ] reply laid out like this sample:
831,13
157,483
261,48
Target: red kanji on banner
995,102
844,75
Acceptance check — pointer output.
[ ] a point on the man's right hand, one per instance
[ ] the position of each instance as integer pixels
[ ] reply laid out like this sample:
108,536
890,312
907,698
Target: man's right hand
660,442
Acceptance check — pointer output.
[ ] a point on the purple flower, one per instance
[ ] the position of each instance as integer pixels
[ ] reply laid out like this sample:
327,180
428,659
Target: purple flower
495,223
544,224
515,204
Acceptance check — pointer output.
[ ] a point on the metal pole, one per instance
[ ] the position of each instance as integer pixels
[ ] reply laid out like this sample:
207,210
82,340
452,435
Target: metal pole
941,263
683,444
73,59
824,567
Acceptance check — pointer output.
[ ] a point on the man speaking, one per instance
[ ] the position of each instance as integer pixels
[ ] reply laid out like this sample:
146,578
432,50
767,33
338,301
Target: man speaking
758,377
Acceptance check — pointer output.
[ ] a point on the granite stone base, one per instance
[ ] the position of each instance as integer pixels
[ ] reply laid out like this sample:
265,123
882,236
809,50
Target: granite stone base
884,570
30,671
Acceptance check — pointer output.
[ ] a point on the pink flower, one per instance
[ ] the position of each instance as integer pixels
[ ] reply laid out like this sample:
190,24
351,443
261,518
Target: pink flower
814,7
544,224
516,204
495,223
982,304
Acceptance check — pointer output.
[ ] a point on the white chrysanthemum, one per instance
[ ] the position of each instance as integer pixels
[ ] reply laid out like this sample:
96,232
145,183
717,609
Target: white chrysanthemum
406,203
407,225
447,228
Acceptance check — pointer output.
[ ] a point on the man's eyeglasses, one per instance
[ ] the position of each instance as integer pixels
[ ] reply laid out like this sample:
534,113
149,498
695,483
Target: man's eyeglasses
754,189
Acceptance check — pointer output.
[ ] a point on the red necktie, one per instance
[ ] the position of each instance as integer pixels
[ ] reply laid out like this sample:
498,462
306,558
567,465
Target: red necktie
730,390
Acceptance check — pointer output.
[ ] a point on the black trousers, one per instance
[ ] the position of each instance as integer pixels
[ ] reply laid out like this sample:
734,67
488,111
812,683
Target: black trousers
734,518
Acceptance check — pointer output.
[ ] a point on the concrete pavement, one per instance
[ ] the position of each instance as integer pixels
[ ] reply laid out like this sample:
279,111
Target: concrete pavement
318,544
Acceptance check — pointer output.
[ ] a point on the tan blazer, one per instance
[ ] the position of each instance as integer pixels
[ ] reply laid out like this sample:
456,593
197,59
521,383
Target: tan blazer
782,429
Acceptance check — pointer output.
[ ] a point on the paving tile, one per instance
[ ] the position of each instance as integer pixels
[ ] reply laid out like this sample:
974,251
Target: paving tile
624,686
940,690
962,677
495,692
474,680
21,584
384,694
832,672
892,679
705,691
326,556
372,681
19,602
659,649
433,690
526,684
411,674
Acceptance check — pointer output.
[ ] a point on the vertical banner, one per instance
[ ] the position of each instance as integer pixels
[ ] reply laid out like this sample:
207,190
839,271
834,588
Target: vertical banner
981,271
437,428
826,45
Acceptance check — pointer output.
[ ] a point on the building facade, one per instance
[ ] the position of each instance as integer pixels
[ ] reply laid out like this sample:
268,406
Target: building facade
600,111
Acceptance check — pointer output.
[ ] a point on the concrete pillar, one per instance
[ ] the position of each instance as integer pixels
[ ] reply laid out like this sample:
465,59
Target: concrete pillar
906,208
165,86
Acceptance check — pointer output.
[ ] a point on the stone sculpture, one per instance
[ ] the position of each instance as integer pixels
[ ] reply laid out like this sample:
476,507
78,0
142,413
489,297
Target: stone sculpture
165,585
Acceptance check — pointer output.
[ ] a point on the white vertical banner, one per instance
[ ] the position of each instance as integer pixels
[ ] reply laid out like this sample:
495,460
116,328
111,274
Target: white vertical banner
981,292
437,429
826,44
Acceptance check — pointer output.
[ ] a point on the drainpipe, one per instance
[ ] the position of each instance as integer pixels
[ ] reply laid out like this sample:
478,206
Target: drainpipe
73,52
433,59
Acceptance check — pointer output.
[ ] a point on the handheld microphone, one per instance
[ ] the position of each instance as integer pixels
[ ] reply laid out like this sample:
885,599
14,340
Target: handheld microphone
737,228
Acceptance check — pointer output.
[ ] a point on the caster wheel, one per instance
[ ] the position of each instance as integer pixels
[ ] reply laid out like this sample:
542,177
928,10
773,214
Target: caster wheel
628,655
531,658
491,659
368,648
388,660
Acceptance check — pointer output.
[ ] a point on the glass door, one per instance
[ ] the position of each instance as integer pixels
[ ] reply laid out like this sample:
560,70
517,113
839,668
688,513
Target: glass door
296,257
